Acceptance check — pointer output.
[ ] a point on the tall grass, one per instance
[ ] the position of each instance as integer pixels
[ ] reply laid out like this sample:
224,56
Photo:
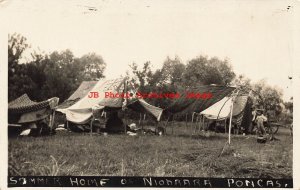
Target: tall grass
179,154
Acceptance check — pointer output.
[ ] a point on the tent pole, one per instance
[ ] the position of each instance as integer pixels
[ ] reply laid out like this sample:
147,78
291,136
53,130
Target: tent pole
172,124
230,121
124,108
52,120
196,124
142,123
203,123
125,126
140,118
91,126
225,124
193,117
186,124
165,126
67,125
199,123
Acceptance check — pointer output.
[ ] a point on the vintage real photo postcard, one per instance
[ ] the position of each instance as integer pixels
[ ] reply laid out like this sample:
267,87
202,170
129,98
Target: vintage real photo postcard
148,94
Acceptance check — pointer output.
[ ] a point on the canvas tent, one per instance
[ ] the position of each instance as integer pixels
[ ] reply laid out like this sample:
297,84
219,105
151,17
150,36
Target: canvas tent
79,93
184,105
241,110
82,111
23,112
221,109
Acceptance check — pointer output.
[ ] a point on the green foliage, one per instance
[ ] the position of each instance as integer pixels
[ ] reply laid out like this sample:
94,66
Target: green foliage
46,76
17,44
141,76
60,73
18,79
204,71
93,66
289,106
269,97
175,76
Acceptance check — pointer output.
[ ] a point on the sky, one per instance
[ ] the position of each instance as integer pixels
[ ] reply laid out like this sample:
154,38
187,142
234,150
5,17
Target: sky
256,36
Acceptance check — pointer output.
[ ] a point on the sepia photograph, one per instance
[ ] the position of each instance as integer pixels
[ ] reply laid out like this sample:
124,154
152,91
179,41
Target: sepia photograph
195,94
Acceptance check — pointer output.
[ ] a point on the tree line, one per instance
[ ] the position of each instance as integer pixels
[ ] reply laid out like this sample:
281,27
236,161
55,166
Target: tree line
58,74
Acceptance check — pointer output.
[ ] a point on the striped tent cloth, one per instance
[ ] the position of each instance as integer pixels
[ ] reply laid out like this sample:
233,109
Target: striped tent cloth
23,104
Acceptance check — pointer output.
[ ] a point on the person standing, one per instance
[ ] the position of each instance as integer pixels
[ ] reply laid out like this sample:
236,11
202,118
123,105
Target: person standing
260,119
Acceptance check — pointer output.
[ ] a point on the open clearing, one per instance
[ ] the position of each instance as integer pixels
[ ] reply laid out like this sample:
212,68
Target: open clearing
180,154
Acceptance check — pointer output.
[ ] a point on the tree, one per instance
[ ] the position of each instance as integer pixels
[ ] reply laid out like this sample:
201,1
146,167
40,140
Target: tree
17,44
93,66
269,98
141,76
204,71
63,75
19,82
289,106
46,76
172,71
242,83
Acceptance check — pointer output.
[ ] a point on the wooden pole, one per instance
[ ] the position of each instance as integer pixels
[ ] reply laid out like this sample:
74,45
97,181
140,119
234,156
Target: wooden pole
125,124
230,121
186,124
124,109
203,123
165,126
196,124
52,121
172,124
140,118
91,132
199,123
142,123
157,127
68,125
225,124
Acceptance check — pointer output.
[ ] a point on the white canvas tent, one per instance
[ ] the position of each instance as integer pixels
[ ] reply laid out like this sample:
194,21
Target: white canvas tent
82,111
221,109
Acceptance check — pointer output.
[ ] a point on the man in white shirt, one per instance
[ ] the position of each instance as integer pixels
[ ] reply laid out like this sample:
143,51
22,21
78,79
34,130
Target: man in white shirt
260,119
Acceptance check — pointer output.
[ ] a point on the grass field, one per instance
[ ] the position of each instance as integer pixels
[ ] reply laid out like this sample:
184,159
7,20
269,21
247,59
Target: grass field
177,154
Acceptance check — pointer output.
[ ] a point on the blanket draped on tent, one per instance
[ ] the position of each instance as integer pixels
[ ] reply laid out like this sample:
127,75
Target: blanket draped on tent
187,105
24,110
